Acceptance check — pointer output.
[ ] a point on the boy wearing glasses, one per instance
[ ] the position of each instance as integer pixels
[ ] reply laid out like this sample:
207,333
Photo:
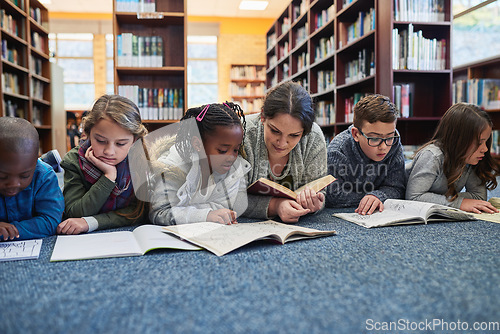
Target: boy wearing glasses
367,158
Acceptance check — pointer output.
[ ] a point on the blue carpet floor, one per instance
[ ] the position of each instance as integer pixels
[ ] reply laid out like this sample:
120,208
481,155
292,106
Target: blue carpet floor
355,282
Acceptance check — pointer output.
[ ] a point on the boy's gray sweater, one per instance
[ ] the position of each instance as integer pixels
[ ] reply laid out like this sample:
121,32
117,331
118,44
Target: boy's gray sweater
357,175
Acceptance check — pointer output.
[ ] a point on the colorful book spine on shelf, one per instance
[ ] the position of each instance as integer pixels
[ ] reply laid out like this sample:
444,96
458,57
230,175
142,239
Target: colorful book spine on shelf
37,89
285,25
300,9
412,51
155,103
301,35
495,145
302,61
36,14
13,109
403,98
419,11
349,106
11,24
360,68
10,83
139,51
320,19
325,48
10,54
38,42
364,24
325,112
482,92
136,6
326,81
271,40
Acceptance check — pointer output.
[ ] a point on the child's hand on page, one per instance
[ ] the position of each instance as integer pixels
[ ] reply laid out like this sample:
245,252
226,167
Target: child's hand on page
290,211
222,216
73,226
369,204
108,170
477,206
309,199
8,231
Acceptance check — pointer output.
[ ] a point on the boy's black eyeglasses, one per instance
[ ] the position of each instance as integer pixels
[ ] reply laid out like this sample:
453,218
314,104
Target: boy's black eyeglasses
376,141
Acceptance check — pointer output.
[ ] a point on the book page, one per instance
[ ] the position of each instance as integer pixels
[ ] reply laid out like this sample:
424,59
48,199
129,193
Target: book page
95,245
222,239
20,250
317,185
384,218
151,237
491,217
413,208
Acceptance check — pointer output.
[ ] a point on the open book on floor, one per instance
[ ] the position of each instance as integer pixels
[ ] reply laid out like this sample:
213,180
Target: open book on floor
400,212
267,187
222,239
115,244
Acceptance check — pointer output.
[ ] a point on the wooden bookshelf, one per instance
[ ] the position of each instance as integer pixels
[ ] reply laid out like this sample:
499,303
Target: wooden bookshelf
341,66
247,87
467,74
154,78
25,66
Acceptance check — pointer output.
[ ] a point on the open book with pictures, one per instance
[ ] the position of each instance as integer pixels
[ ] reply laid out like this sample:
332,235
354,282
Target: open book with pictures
270,188
400,212
222,239
115,244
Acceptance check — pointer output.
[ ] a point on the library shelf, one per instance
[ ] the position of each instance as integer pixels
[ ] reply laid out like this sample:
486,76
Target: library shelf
150,59
352,50
25,66
247,86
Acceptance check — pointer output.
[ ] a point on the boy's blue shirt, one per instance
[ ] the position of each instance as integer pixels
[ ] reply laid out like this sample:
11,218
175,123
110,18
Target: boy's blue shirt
37,210
357,175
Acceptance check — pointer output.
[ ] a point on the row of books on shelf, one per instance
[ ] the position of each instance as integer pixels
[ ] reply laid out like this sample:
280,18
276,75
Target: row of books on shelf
139,51
302,61
284,50
349,104
360,68
403,98
412,51
325,112
324,49
299,9
11,24
271,40
326,80
419,11
12,109
285,25
364,23
248,89
10,83
36,14
249,106
38,41
37,89
320,19
10,54
135,6
301,35
155,103
495,145
482,92
36,65
248,72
